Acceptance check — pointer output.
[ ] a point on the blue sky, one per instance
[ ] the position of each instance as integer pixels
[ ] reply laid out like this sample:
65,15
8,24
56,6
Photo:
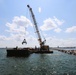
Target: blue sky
56,20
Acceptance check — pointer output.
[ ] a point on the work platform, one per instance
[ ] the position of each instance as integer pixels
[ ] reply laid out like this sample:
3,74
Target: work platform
24,52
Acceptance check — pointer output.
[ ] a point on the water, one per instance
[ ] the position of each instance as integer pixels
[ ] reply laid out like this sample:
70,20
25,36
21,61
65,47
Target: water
57,63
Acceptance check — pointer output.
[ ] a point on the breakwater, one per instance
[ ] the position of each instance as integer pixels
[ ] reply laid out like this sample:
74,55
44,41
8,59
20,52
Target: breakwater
73,52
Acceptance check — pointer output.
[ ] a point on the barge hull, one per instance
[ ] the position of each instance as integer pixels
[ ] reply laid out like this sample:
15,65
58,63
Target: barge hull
47,52
24,52
18,53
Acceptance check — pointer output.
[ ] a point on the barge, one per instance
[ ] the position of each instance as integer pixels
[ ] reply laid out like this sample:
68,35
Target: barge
24,52
18,52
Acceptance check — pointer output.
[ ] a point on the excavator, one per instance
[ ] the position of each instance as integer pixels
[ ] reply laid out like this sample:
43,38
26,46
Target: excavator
43,47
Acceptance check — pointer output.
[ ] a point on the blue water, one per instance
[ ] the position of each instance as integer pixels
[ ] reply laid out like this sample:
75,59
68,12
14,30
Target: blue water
57,63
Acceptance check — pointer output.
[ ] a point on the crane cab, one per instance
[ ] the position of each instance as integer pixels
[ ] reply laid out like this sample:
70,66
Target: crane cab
45,47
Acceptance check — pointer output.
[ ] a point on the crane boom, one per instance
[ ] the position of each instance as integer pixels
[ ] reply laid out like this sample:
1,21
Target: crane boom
42,46
35,24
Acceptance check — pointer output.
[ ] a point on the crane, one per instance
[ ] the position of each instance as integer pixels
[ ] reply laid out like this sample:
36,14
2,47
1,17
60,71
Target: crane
41,43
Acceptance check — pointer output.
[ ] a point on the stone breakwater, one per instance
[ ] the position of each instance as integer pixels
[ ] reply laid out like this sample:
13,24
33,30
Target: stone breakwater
73,52
69,51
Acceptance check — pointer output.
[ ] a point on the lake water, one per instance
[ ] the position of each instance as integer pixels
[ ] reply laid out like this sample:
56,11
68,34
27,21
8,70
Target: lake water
57,63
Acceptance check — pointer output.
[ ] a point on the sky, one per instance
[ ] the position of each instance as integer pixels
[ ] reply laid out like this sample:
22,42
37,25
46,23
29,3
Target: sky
56,20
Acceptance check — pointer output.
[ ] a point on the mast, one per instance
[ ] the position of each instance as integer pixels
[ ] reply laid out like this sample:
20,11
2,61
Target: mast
36,27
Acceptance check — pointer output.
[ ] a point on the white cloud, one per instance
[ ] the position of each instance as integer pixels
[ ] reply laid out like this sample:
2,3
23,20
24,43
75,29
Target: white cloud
18,25
18,33
54,41
57,30
59,22
52,24
16,40
71,29
3,38
39,9
48,24
21,21
17,29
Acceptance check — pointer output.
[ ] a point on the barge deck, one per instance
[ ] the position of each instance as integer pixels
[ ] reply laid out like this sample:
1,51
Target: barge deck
24,52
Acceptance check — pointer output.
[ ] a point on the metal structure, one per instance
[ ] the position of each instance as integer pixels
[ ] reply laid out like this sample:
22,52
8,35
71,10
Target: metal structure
42,43
24,41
